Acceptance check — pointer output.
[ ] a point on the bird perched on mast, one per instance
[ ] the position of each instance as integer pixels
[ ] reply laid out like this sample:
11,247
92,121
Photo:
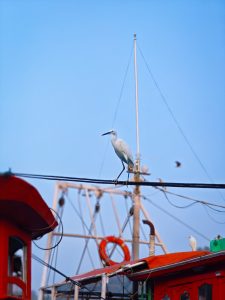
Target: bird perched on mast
123,152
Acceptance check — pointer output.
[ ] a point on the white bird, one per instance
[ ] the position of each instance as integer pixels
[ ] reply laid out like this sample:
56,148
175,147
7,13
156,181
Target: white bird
122,150
192,243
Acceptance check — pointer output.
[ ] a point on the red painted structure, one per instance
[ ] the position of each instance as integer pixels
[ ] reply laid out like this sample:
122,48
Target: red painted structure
184,276
24,216
195,275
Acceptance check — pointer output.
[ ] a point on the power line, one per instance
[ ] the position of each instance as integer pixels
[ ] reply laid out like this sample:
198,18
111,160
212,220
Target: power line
175,218
123,183
194,201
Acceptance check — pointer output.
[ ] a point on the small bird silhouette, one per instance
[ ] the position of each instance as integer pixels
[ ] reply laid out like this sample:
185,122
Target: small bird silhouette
178,164
161,181
123,152
192,243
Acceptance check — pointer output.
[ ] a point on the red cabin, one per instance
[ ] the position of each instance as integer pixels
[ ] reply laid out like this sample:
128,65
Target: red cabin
24,216
197,275
184,276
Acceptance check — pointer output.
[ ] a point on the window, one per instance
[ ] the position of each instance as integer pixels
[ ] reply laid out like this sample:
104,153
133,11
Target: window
15,290
17,258
185,296
205,292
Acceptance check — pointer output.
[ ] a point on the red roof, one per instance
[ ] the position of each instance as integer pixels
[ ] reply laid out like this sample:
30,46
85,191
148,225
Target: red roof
144,264
172,258
22,204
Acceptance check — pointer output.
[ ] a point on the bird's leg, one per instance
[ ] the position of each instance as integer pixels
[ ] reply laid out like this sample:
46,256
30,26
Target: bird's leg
128,175
120,173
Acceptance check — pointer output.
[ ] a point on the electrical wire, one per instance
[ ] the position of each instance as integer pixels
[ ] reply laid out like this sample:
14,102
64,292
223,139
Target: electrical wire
211,217
122,183
176,218
195,201
177,206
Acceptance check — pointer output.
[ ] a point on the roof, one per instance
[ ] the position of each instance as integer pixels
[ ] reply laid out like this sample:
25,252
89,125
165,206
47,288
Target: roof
135,269
22,204
166,263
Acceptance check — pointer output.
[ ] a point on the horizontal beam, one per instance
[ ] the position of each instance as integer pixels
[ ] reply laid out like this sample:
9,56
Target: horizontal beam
75,235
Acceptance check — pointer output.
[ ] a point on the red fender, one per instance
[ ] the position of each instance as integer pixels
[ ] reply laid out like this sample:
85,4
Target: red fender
112,239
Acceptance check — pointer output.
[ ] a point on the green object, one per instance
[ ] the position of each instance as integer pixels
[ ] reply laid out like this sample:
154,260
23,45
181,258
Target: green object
217,245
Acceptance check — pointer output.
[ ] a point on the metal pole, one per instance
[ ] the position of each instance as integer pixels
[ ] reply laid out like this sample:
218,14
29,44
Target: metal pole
145,213
104,283
97,237
136,199
136,102
151,237
76,292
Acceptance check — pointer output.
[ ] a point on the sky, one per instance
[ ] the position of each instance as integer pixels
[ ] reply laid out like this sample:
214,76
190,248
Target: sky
67,76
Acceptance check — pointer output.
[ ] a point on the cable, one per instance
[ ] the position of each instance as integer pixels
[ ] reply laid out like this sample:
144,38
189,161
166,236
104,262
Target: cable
177,123
175,218
192,199
67,278
177,206
125,183
211,217
116,110
84,232
61,236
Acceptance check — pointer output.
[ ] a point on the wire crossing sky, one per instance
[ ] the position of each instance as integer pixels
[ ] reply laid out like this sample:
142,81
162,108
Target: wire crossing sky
67,75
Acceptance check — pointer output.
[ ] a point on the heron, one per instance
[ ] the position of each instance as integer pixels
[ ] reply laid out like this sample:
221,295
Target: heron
193,243
122,150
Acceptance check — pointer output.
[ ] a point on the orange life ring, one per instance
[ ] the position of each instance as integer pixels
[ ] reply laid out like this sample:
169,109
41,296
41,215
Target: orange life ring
112,239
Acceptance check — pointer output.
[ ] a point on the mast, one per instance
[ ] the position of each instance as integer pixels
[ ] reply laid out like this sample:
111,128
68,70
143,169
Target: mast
136,215
136,104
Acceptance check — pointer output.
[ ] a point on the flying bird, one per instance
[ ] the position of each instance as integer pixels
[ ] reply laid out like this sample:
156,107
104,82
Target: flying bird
123,152
178,164
192,243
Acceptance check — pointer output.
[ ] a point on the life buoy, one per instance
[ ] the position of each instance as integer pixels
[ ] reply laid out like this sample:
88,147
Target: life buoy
112,239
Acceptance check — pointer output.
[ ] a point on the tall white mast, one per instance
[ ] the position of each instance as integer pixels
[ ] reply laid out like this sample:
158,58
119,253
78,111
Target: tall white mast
136,215
136,103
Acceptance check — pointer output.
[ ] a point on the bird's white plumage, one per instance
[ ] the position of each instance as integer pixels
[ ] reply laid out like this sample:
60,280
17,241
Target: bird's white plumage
192,243
122,150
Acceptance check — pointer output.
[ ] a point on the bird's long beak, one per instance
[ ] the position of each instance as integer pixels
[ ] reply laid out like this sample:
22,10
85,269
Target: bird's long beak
107,132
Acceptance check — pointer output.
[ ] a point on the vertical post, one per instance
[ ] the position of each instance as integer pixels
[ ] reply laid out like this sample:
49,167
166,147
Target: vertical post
53,293
76,292
136,103
151,237
104,283
136,215
145,213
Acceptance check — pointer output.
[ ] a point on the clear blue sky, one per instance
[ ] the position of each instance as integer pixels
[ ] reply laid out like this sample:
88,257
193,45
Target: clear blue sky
62,65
